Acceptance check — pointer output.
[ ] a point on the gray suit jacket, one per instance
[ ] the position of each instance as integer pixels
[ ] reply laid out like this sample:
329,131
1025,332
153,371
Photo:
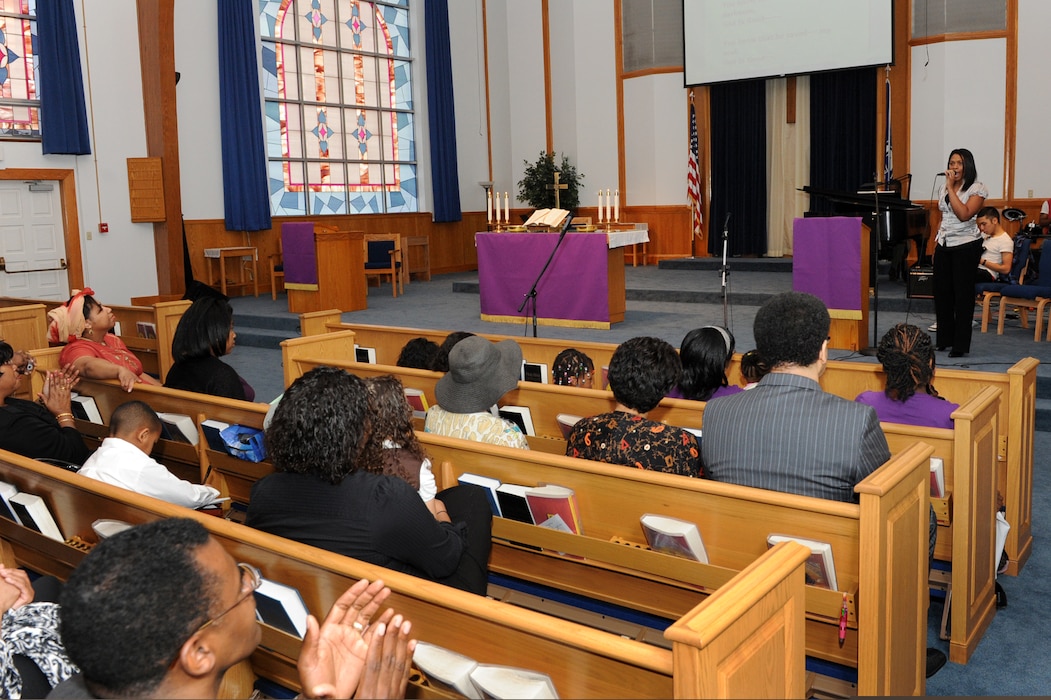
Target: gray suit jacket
787,434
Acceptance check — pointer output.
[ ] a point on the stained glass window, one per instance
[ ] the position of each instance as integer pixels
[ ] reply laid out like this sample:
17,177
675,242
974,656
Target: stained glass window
19,101
339,110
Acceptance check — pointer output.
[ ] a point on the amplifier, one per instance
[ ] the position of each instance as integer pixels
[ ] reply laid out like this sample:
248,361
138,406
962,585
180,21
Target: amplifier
920,282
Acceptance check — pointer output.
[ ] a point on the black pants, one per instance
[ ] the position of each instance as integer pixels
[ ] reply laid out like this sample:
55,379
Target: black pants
467,503
954,275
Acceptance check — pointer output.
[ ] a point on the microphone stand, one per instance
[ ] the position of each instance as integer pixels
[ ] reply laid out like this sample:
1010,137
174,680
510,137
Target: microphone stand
531,294
724,270
870,350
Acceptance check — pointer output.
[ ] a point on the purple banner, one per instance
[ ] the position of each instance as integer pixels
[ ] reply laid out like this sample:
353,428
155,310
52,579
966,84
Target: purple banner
299,253
826,260
575,286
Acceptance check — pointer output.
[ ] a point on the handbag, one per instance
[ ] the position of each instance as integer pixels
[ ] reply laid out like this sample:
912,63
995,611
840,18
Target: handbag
244,442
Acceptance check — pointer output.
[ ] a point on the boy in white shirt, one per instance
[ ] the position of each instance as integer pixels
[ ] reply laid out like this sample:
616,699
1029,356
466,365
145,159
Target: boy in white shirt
997,246
123,459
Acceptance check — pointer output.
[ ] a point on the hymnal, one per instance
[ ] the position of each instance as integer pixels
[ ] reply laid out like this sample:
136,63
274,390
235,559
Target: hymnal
551,501
363,354
937,478
212,429
520,416
508,682
6,510
488,483
178,427
447,668
566,422
281,607
547,217
820,568
674,536
418,400
513,504
85,408
146,329
34,514
534,372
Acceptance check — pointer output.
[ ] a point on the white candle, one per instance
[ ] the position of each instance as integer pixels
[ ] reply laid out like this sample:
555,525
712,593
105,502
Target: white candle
600,206
616,206
488,206
507,209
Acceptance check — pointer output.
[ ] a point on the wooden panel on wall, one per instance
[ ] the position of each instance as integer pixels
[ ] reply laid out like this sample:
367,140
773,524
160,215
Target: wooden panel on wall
146,189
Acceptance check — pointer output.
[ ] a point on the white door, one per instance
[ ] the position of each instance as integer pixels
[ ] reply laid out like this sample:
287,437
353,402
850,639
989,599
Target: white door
32,243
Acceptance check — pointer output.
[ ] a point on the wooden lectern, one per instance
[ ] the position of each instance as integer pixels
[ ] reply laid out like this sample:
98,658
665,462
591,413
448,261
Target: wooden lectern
831,261
323,269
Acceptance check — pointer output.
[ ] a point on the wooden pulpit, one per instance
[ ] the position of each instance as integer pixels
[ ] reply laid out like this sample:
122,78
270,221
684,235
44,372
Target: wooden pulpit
323,269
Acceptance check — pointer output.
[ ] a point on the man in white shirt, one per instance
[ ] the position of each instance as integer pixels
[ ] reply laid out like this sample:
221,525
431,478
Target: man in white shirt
997,246
123,459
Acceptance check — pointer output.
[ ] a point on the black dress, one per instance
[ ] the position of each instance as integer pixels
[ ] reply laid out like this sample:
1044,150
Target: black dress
29,429
207,375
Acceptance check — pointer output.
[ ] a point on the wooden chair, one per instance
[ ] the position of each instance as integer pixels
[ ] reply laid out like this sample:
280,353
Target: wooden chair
991,290
1028,296
383,257
277,269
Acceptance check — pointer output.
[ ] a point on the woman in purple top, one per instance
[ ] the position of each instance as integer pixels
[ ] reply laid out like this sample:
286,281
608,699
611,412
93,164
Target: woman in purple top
907,356
705,354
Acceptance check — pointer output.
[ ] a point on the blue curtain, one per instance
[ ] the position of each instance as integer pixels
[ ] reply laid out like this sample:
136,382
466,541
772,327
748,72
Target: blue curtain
842,132
63,117
442,117
246,197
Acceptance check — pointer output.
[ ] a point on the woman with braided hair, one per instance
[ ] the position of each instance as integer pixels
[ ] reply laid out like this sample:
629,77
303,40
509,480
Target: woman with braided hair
907,356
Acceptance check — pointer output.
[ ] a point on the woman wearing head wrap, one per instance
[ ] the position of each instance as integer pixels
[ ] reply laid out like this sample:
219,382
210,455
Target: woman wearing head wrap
84,325
907,356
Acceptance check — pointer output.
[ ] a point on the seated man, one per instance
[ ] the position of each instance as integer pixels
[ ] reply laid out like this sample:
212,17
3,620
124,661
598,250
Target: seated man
997,247
641,372
162,610
123,459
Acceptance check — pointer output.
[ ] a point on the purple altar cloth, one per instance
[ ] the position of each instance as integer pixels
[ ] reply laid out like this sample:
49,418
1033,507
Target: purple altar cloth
827,260
299,253
575,286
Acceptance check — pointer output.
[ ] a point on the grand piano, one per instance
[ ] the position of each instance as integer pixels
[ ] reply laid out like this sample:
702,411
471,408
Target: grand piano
899,219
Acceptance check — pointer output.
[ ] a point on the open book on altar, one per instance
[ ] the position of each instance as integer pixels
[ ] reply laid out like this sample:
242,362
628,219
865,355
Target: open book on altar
547,217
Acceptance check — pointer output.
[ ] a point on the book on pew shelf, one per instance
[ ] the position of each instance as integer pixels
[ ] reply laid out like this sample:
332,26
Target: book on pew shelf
508,682
447,667
937,478
107,527
513,504
534,372
605,376
418,400
520,416
212,429
488,483
85,408
566,421
178,427
674,536
34,514
6,510
281,607
364,354
146,329
820,568
555,507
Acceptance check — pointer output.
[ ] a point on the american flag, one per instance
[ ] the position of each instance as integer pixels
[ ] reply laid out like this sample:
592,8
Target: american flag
693,180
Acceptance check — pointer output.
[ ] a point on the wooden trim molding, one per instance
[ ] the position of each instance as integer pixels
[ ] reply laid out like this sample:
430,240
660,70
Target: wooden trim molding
618,52
545,21
961,36
1011,101
488,106
67,191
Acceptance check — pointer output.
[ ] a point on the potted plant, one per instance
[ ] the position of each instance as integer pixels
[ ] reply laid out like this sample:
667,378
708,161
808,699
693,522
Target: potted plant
535,186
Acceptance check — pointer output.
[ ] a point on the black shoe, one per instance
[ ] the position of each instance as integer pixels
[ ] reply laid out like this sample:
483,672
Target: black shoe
935,661
957,353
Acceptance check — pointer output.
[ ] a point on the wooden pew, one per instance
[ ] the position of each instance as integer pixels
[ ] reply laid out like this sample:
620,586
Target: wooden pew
24,328
716,646
154,353
1017,410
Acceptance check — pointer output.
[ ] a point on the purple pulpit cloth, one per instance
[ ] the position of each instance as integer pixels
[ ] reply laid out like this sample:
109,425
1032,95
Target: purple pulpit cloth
299,253
575,286
827,260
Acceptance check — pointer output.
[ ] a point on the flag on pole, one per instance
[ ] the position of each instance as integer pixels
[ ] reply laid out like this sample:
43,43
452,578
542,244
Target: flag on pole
693,179
888,149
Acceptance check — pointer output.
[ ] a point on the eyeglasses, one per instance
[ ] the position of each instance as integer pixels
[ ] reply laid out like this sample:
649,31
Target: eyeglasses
251,579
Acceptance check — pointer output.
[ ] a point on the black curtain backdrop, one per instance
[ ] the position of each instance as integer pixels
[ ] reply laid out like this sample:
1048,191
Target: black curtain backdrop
738,138
842,132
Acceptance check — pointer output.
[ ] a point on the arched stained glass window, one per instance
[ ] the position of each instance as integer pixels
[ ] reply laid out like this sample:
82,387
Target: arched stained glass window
19,101
338,96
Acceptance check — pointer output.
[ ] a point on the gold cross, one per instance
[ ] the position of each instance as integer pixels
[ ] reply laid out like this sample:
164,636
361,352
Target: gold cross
556,187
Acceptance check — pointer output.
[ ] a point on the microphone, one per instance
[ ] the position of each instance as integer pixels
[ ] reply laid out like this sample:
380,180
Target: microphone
941,174
726,224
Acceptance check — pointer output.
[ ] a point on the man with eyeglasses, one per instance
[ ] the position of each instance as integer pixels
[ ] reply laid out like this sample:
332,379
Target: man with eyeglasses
162,610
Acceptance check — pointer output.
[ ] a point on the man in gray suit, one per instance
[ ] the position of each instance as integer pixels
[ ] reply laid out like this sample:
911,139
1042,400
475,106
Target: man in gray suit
786,433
